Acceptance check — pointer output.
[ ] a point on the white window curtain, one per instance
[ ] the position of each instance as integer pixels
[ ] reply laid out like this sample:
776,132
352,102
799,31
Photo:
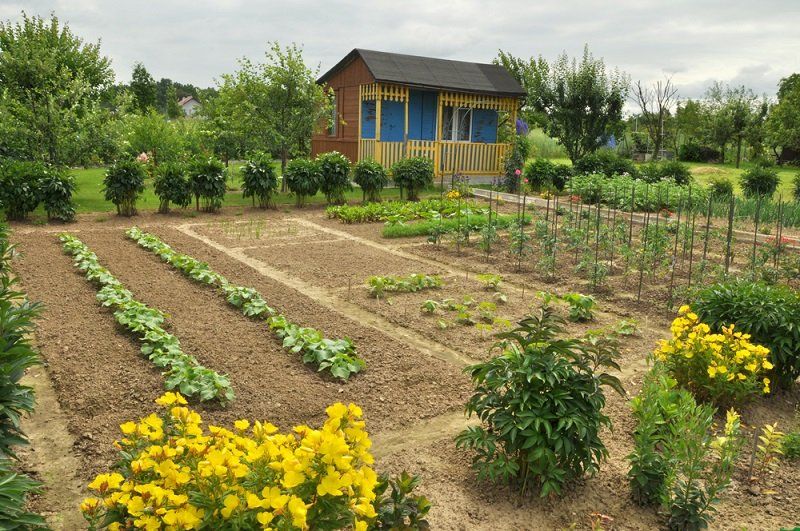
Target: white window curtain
457,124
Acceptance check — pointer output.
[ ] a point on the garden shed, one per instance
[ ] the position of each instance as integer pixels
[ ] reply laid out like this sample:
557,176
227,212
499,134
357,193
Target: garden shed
389,106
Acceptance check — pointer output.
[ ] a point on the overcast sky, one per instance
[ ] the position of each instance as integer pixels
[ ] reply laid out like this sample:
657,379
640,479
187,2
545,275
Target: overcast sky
695,41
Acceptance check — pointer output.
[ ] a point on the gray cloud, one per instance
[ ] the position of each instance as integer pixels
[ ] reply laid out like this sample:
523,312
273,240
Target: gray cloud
195,41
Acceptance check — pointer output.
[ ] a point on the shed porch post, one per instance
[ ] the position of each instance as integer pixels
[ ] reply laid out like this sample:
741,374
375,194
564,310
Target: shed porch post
378,100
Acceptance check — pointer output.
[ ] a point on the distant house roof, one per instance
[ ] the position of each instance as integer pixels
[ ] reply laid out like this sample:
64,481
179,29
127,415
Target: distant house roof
432,73
186,99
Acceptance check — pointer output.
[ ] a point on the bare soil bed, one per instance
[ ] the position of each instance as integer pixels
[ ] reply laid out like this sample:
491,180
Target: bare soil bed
411,396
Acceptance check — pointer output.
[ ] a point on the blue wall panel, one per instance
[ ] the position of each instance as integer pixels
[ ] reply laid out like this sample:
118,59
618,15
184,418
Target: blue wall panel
367,119
392,121
484,126
421,115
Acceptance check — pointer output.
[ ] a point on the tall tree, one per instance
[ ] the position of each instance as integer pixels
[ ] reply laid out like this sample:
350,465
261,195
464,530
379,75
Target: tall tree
143,87
655,105
172,109
576,101
51,83
732,113
783,123
277,104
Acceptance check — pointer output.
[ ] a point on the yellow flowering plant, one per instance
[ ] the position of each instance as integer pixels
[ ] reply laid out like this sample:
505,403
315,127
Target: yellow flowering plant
723,368
174,474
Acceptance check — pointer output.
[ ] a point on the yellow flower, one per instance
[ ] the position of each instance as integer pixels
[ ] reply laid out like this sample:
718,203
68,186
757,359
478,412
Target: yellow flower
683,309
712,371
128,428
169,398
292,478
241,425
264,518
90,505
231,502
767,365
361,525
298,510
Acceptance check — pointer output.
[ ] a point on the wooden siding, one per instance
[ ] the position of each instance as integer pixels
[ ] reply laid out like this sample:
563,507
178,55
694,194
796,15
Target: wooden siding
346,83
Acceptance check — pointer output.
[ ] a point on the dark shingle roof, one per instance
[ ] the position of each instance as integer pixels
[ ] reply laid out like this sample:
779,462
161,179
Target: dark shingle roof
432,73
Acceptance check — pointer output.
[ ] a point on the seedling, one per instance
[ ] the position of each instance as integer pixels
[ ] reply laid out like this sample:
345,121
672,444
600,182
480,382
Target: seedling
580,306
490,281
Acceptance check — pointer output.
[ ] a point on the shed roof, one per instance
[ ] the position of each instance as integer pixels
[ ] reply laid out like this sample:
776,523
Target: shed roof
432,73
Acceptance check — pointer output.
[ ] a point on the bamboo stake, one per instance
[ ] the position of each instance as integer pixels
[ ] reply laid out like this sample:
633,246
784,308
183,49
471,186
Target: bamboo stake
728,257
675,253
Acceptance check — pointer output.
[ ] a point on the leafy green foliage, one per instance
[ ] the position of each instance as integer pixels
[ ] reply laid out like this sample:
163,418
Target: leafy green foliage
540,403
56,188
303,178
412,175
605,162
334,169
398,212
207,182
760,180
544,173
581,307
259,179
671,170
791,445
14,488
449,226
172,186
515,161
616,192
769,313
412,283
720,187
490,280
19,194
123,183
184,372
337,356
400,508
371,177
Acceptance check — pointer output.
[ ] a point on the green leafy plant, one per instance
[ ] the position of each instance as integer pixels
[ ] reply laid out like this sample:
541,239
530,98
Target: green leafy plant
790,446
19,188
412,283
171,186
56,188
760,180
429,306
303,179
259,179
514,161
398,508
207,182
768,450
543,173
540,404
412,175
123,183
371,176
720,187
769,313
490,281
627,327
336,356
14,489
334,169
487,311
581,307
400,212
184,372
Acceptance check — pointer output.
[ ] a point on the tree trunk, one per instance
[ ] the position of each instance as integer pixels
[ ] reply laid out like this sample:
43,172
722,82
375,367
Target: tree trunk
738,151
284,157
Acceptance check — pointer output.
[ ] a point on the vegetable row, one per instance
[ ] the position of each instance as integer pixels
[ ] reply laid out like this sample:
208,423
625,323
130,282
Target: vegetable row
183,372
337,356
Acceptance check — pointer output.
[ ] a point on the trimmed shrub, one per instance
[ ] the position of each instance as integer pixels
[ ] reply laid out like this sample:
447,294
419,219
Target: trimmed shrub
207,182
796,187
412,175
371,177
515,160
760,180
605,162
692,152
540,404
123,183
172,186
542,173
769,313
56,189
259,179
671,170
720,187
302,178
19,188
334,169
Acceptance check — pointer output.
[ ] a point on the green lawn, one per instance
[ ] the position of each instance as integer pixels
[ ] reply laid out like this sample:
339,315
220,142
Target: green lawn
89,194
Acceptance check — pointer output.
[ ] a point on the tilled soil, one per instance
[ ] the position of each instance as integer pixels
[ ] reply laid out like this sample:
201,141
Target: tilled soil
411,396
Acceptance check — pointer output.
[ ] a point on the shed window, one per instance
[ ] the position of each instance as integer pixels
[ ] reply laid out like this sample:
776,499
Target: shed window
457,124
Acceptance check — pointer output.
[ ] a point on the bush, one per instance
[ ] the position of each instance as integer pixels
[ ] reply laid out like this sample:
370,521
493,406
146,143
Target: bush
19,188
692,152
251,476
371,177
412,175
172,186
542,173
605,162
720,187
303,179
760,180
677,460
56,189
671,170
796,187
541,404
207,182
515,160
334,170
124,182
259,179
769,313
724,368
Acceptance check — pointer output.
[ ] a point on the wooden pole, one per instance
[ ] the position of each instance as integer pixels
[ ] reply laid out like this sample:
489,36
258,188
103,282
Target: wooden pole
378,119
